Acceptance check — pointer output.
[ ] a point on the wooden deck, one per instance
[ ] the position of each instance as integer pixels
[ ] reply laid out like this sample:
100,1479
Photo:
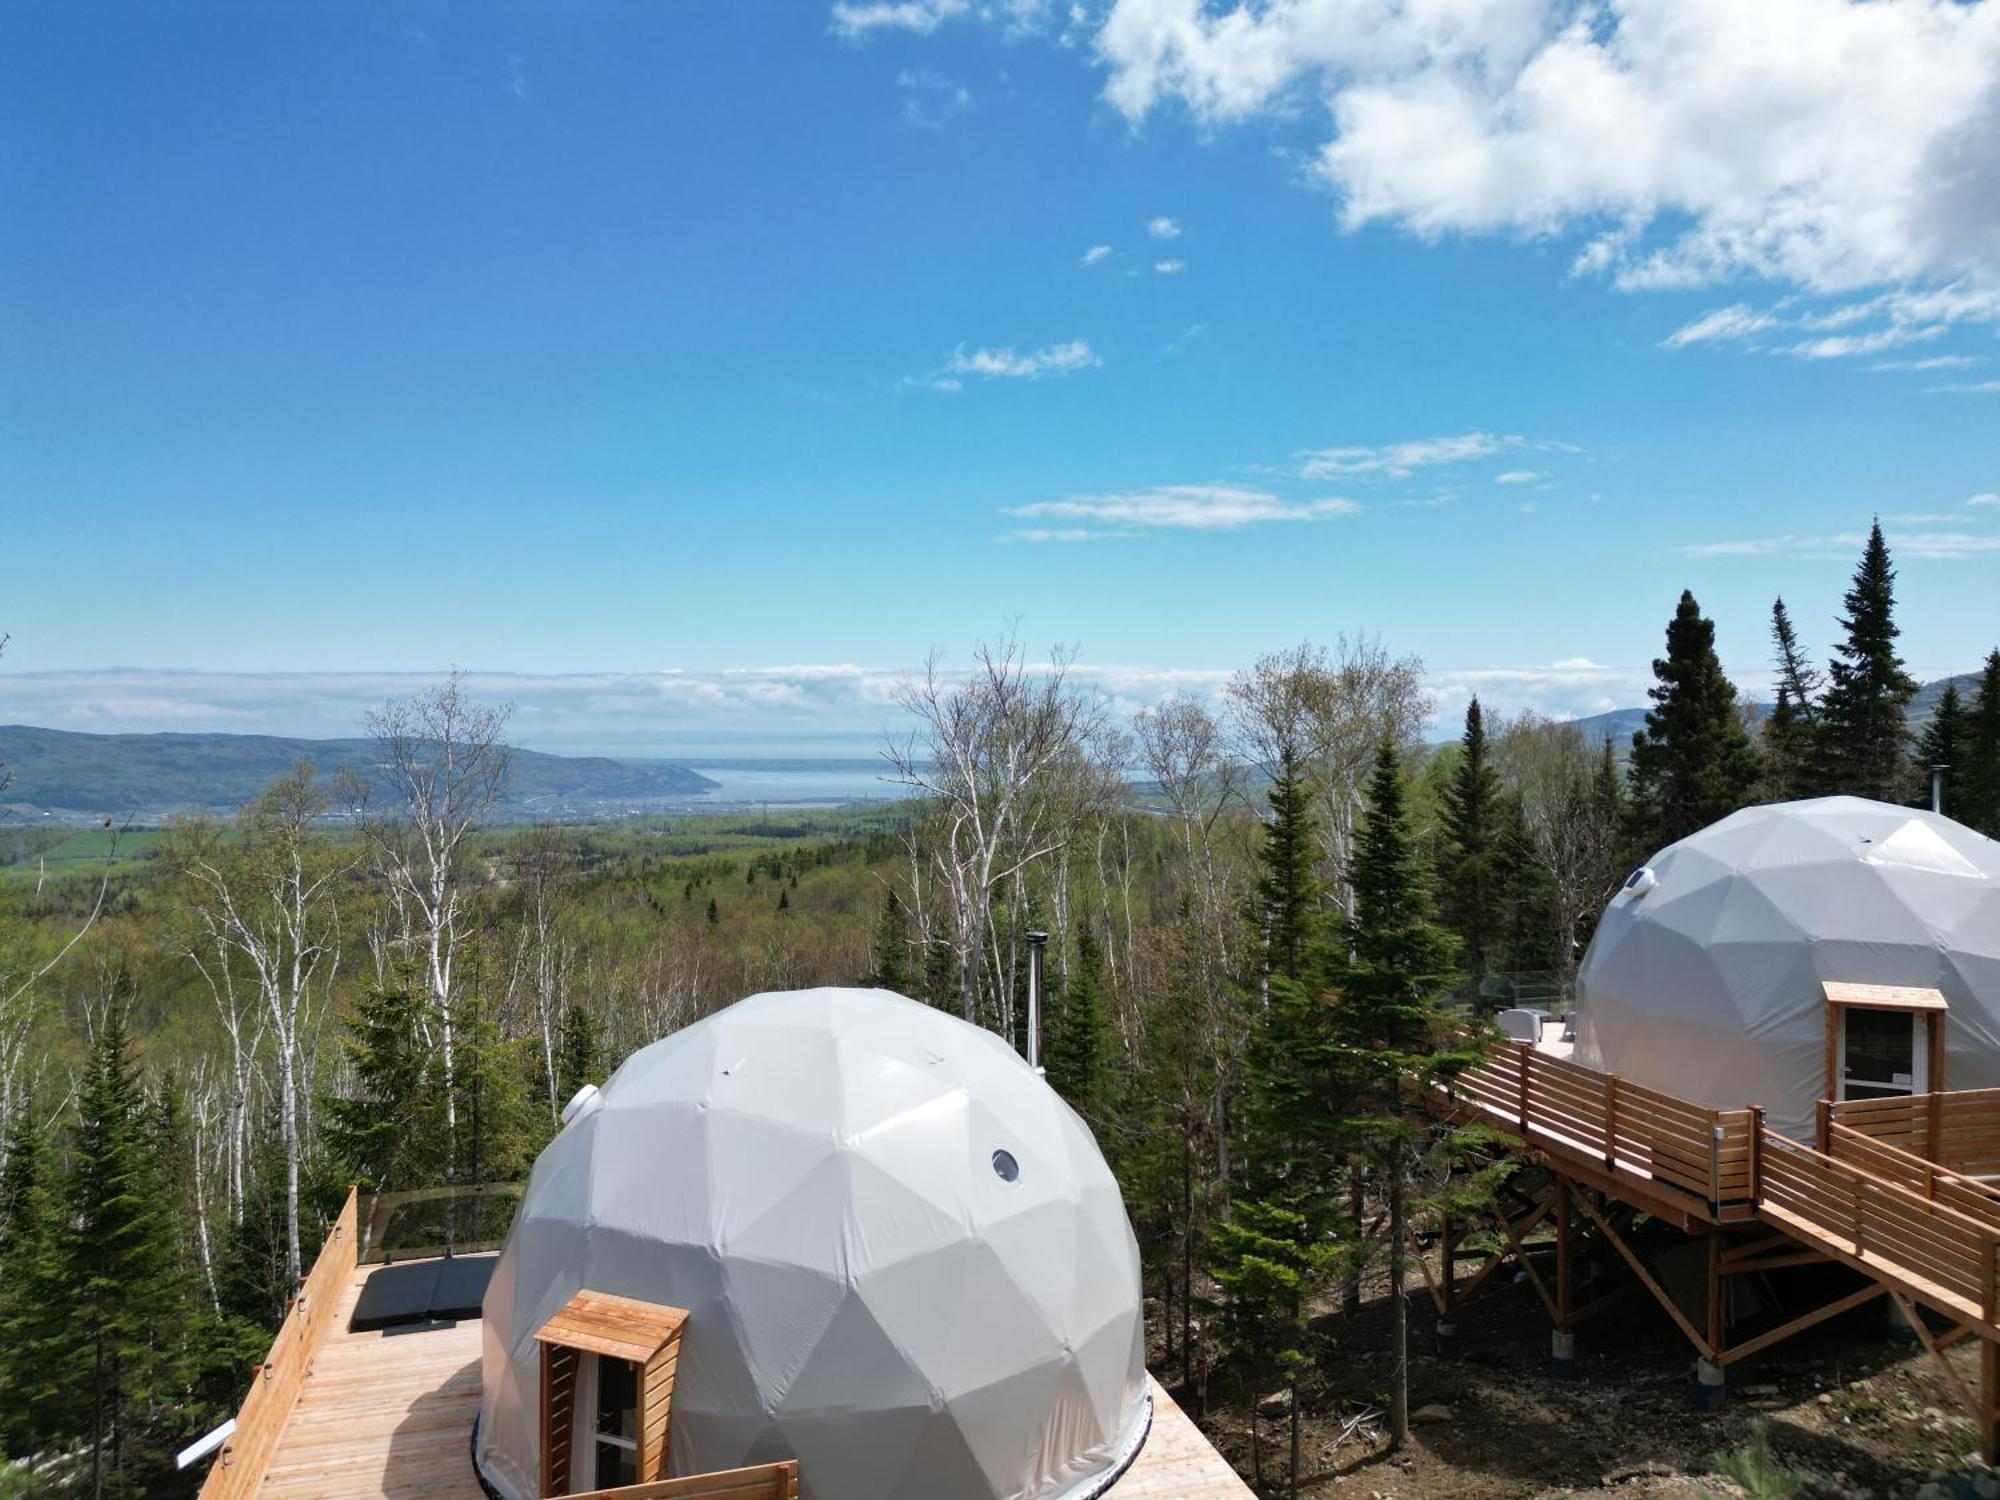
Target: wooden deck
390,1415
1925,1234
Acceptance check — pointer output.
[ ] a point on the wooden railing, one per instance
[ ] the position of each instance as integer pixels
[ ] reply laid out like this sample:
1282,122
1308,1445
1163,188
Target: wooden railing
239,1468
1943,1253
1959,1130
1857,1195
762,1482
1707,1153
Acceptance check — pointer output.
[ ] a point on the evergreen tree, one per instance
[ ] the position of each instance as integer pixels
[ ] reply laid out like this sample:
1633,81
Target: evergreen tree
1470,868
497,1125
1525,939
1692,763
1268,1261
579,1051
784,899
1862,739
889,963
35,1348
1394,1036
714,916
1073,1045
125,1289
1788,734
1978,796
378,1133
1944,742
1288,887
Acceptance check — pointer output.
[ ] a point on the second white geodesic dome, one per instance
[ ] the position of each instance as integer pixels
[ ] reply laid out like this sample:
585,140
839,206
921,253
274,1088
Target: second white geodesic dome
905,1262
1705,981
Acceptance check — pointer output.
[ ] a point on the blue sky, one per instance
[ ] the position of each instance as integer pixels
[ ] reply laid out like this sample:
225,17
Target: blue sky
730,340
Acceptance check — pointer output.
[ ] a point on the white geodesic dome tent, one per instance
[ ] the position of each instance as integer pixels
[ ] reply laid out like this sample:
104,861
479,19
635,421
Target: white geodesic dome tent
904,1260
1704,978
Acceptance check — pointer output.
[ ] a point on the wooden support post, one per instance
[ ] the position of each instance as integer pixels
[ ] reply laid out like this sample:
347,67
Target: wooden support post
1521,1258
1631,1258
1716,1314
1823,1126
1564,1257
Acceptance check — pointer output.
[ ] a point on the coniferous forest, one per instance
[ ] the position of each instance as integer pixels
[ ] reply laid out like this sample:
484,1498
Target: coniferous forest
1275,918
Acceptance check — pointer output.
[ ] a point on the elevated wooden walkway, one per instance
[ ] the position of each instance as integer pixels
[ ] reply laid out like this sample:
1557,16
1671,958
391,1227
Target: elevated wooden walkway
1917,1222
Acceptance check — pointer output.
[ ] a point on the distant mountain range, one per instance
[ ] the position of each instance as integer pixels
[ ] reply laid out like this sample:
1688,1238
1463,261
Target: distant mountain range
64,776
1621,723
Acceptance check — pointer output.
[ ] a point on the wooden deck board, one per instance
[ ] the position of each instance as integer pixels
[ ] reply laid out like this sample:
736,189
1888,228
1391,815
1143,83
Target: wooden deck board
390,1415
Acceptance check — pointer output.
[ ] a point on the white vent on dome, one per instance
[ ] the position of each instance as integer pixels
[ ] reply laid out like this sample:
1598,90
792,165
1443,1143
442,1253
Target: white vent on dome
1640,881
581,1102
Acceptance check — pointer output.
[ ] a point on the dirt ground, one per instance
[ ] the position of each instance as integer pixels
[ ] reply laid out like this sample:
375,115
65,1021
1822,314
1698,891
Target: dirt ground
1865,1411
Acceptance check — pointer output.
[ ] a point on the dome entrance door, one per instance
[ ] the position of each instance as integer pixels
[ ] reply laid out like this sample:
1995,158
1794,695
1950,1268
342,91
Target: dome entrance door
1883,1054
1883,1042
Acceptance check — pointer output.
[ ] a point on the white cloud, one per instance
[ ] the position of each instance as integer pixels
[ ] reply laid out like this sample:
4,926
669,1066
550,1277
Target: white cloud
1932,362
859,18
1984,500
1398,460
1169,267
1517,476
1922,546
1059,534
930,99
1573,688
1006,364
1056,359
1827,143
1973,388
1196,507
1845,345
1734,322
1164,228
1095,254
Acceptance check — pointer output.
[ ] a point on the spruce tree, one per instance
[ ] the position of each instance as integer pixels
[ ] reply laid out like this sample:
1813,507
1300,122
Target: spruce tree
35,1349
1862,740
1789,754
377,1132
496,1136
1073,1044
125,1288
1944,742
1470,868
579,1051
1289,892
889,962
1692,763
1978,795
1394,1036
1526,935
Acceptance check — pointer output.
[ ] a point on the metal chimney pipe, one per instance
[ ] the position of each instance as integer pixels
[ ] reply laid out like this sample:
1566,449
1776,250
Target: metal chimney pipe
1037,942
1937,788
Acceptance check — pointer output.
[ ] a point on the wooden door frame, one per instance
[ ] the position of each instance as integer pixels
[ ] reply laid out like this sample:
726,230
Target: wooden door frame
1929,1005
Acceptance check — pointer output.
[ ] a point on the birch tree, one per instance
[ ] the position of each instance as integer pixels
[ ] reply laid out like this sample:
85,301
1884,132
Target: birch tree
441,763
267,899
986,749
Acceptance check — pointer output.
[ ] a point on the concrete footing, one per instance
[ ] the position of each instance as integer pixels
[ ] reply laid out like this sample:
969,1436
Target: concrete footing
1562,1354
1709,1386
1447,1336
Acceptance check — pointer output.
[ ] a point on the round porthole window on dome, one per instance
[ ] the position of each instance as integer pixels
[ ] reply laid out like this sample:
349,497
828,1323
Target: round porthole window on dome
1004,1165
